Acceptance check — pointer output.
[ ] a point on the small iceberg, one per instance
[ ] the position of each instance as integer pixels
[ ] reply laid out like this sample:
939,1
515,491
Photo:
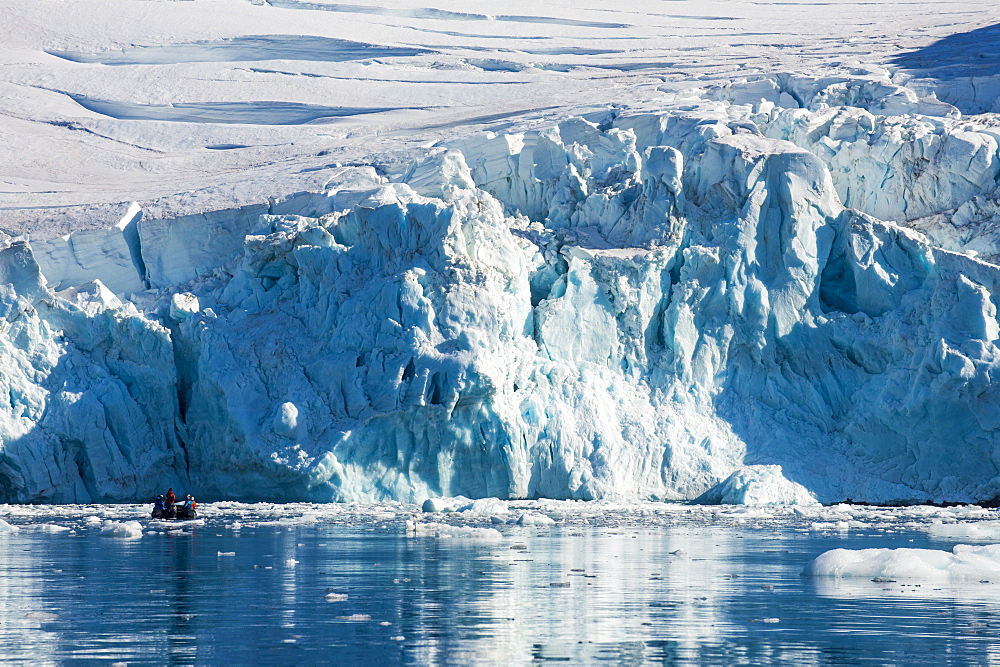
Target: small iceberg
963,563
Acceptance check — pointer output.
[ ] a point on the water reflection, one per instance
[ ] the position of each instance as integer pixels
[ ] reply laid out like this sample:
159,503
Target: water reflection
355,591
25,616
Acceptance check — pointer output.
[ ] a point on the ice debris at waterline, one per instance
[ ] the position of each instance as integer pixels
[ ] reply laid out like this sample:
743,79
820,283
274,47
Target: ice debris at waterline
694,302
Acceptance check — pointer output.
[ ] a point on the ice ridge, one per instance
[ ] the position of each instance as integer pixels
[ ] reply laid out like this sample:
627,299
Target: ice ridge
726,299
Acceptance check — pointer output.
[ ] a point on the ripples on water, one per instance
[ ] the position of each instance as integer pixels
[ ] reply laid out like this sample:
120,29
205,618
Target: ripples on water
650,583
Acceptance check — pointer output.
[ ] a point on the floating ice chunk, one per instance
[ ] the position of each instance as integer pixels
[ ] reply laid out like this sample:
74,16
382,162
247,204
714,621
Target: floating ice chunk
486,507
123,529
455,504
51,528
963,563
336,597
92,521
434,505
532,519
417,529
758,485
829,525
308,517
7,528
980,530
225,553
355,618
291,562
802,511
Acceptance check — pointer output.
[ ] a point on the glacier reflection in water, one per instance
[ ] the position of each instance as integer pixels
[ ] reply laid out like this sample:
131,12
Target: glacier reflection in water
347,584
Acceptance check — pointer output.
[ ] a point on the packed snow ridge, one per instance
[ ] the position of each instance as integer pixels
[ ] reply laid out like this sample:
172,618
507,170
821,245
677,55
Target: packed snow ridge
771,291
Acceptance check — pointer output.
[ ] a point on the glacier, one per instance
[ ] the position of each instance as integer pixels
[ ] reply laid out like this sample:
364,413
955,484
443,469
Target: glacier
773,290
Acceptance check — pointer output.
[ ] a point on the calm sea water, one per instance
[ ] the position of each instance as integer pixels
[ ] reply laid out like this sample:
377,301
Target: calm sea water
252,587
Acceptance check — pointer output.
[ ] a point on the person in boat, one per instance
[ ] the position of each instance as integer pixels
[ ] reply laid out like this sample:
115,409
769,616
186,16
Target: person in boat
186,510
170,499
158,506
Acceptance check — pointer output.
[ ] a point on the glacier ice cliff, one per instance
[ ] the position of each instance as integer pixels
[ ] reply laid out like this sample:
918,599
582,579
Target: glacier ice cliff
776,290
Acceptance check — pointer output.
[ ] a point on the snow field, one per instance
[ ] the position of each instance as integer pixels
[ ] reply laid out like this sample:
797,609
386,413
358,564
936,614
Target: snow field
99,112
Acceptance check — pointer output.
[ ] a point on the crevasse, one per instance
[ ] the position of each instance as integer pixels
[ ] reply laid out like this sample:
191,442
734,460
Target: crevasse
769,291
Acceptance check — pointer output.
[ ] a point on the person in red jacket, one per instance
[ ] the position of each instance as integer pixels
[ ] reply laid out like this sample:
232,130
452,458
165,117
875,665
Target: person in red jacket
170,498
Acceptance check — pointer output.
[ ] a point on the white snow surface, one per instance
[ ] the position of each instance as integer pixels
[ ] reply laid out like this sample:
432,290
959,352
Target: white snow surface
771,289
194,107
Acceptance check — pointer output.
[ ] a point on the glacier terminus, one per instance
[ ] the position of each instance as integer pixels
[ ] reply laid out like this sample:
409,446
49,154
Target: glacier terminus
774,288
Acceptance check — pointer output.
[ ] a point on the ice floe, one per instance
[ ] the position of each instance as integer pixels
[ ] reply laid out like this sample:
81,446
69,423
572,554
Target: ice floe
443,530
962,563
122,529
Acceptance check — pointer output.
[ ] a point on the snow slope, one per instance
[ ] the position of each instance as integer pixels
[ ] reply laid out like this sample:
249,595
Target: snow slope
772,288
110,101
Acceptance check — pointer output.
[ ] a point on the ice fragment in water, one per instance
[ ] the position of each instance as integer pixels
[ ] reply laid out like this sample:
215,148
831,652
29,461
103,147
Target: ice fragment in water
122,529
531,519
980,530
418,529
962,563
